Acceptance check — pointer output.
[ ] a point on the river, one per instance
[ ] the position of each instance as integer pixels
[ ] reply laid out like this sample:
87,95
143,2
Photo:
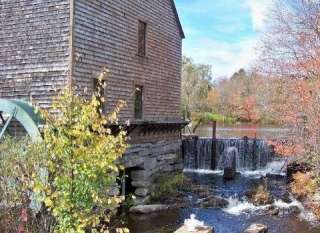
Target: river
267,132
240,213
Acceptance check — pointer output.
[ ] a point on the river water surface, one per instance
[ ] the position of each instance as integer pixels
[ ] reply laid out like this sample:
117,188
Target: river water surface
240,213
240,130
237,216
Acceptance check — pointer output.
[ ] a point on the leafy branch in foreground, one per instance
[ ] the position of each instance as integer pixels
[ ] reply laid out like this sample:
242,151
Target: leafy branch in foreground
81,164
72,173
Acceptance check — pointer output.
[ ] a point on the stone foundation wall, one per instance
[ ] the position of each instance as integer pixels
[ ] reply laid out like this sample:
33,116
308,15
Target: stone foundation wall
147,162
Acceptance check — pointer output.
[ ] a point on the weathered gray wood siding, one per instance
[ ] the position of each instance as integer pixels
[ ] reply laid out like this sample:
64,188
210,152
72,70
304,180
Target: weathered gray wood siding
34,44
106,34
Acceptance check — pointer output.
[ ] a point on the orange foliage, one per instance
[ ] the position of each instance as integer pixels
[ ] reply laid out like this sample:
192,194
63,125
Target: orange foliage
303,185
285,148
248,108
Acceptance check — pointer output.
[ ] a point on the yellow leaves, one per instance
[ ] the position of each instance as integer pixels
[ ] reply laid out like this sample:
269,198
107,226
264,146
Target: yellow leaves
48,202
122,230
82,156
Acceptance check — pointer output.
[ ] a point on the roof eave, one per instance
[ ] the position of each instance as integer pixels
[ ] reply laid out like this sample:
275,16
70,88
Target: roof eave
178,19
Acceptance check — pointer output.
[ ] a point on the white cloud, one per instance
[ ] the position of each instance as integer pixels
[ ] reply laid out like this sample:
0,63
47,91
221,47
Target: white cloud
259,12
225,58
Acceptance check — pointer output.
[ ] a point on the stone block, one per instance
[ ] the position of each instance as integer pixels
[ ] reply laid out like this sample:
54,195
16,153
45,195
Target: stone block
129,161
150,163
141,175
142,200
142,192
169,156
146,209
140,184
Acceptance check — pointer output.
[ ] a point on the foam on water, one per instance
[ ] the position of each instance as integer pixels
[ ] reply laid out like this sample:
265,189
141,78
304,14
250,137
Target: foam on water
203,171
237,207
193,223
273,168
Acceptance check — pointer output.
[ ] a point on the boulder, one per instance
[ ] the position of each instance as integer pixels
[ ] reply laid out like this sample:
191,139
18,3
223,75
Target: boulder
184,229
285,197
214,202
294,210
273,210
257,228
146,209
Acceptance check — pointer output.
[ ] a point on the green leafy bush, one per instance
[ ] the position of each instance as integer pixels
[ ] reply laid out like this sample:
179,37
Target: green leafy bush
168,186
73,171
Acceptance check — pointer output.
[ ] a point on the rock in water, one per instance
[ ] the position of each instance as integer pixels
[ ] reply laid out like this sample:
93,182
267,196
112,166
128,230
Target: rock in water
214,202
146,209
193,225
184,229
257,228
229,163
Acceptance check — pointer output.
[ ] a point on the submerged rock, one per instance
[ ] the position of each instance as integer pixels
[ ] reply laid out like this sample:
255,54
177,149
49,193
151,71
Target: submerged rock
146,209
257,228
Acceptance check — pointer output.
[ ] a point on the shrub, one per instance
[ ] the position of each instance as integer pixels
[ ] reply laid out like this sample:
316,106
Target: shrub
168,186
303,185
73,171
81,164
260,195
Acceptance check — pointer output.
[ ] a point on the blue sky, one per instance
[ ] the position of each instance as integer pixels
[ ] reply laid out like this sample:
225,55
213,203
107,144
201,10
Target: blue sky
222,33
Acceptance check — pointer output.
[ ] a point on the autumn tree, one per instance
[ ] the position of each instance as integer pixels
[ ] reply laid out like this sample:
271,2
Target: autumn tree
291,54
196,84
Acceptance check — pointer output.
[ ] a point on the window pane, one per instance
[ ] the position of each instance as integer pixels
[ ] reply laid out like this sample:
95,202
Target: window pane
138,102
142,30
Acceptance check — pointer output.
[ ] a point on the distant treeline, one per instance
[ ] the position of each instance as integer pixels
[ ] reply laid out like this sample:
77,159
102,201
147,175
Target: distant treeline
245,96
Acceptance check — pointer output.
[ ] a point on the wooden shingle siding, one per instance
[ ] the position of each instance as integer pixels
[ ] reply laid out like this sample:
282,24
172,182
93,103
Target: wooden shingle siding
106,35
34,48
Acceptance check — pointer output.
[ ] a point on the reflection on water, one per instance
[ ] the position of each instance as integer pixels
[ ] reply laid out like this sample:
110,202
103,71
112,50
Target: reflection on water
241,130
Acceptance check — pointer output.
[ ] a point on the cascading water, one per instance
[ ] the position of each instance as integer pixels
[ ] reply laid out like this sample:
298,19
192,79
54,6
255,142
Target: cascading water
199,153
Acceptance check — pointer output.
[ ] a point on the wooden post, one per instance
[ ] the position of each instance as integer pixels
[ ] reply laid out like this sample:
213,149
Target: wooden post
214,137
196,152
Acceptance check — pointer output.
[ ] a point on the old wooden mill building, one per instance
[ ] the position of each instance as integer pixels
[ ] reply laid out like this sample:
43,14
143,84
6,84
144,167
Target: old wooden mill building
46,45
